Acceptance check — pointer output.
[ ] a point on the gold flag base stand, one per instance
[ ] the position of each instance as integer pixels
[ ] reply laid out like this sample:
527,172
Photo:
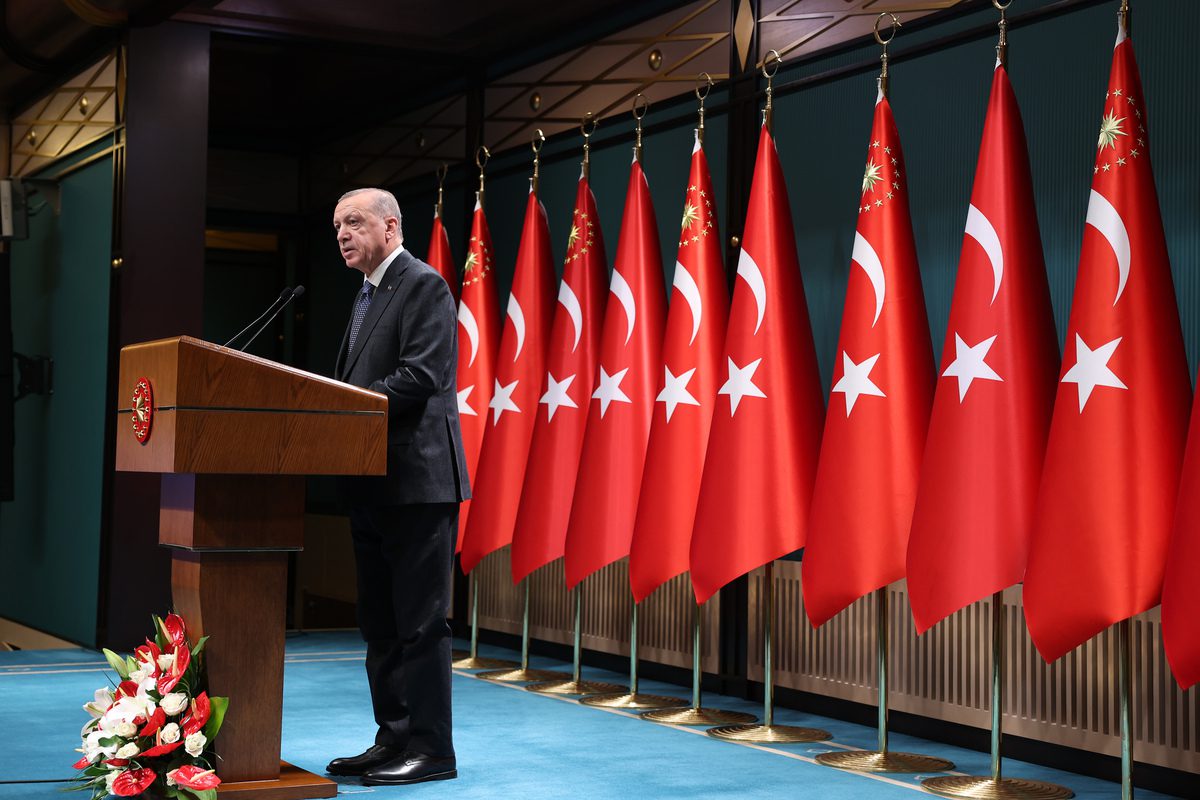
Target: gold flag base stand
574,687
876,761
632,700
695,715
968,786
769,734
477,662
523,675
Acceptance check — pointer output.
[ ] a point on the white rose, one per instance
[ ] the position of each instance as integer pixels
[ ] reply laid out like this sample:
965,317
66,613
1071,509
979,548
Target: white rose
171,777
125,730
169,733
137,676
111,776
194,744
128,750
165,661
174,703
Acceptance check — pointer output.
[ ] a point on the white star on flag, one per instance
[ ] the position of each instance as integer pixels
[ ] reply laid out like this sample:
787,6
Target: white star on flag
969,364
502,400
675,391
856,380
556,394
610,389
740,384
464,408
1091,369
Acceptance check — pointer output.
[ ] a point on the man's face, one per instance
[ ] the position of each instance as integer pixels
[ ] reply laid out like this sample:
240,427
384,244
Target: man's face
363,237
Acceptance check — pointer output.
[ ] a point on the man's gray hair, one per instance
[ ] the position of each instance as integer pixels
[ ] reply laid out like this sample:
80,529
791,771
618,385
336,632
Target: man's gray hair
383,205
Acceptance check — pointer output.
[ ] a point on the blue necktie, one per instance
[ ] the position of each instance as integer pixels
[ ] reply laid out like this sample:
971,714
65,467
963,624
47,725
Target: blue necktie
361,303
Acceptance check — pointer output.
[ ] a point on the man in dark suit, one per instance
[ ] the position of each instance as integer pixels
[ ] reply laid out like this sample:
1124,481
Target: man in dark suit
402,341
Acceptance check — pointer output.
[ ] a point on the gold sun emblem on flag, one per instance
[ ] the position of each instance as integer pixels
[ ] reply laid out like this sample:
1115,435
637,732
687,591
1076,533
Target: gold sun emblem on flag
1110,129
472,261
573,237
871,176
580,238
690,215
479,261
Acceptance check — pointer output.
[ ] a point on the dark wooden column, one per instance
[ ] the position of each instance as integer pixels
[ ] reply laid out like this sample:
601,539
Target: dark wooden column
157,288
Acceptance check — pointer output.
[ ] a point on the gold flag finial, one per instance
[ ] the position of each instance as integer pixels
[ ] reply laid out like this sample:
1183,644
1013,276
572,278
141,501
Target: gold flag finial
639,111
772,58
442,171
481,158
702,90
1002,44
539,139
588,119
883,56
1123,16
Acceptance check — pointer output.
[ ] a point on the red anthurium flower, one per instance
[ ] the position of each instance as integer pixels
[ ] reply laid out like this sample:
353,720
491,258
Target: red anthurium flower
201,709
175,630
192,777
82,763
127,689
157,720
117,762
148,654
133,782
161,749
169,679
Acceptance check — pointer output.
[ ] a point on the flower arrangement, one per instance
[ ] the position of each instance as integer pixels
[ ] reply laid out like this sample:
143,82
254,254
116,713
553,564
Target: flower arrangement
151,735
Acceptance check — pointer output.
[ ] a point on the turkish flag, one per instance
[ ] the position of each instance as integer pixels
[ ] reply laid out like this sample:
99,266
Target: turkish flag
541,530
1107,499
1180,600
478,339
618,425
439,254
519,376
995,391
879,404
766,429
686,394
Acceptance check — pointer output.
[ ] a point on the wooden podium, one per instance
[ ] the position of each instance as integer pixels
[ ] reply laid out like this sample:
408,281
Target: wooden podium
233,436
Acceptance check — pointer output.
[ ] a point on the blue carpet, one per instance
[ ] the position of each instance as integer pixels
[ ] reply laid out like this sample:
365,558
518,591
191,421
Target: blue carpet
510,743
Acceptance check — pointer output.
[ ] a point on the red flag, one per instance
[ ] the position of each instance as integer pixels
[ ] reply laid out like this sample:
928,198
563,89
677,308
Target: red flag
991,411
1180,600
1108,491
541,530
618,425
766,429
478,339
439,254
687,393
879,403
513,409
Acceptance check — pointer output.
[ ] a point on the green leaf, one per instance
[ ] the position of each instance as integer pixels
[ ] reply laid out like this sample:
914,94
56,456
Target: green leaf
219,705
203,794
199,646
131,664
117,663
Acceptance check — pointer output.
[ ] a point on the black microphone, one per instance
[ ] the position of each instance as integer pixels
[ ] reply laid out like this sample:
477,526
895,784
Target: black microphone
299,290
283,297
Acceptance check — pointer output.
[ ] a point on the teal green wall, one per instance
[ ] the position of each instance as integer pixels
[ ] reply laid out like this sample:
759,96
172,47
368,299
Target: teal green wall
50,534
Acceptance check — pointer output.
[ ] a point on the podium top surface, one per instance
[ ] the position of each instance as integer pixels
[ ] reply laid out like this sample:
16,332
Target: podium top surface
186,405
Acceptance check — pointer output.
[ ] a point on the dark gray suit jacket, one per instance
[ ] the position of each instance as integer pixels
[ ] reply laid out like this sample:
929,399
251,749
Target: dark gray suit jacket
407,348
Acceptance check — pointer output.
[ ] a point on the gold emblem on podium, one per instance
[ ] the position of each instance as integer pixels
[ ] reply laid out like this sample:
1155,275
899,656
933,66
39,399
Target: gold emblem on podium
143,409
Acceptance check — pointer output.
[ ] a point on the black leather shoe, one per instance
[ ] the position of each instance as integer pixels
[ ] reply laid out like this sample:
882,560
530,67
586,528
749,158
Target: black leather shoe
375,755
412,768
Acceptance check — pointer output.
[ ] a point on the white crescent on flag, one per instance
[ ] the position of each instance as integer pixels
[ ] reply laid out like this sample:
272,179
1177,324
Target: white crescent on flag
980,229
749,272
1102,216
865,256
467,320
620,287
571,303
686,285
518,320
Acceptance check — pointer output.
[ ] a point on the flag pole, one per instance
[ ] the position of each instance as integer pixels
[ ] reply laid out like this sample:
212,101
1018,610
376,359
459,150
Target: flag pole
1125,679
696,713
881,759
995,786
473,661
633,698
768,731
524,674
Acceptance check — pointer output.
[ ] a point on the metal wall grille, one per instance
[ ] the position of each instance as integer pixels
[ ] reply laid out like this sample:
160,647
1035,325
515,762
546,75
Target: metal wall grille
946,674
664,619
